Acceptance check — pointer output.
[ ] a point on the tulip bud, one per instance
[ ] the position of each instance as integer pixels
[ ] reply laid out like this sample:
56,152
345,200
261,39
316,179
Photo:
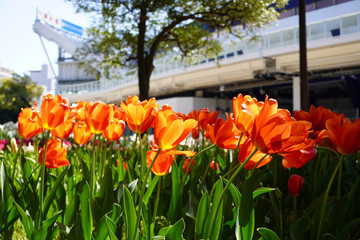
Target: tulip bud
14,146
278,194
295,184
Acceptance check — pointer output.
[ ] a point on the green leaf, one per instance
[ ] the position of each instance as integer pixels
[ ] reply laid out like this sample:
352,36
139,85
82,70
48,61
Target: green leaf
150,189
350,226
174,232
111,227
86,214
245,223
262,190
175,207
215,192
108,191
70,211
268,234
50,197
130,214
146,222
26,221
297,229
201,215
43,232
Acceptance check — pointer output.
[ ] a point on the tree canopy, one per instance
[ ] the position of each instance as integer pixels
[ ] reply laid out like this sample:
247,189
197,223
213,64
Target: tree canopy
133,33
16,93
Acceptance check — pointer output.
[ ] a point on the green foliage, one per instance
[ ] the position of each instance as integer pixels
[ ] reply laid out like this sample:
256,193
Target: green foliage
16,93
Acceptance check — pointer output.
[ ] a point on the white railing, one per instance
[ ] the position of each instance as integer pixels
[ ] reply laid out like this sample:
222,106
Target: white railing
325,29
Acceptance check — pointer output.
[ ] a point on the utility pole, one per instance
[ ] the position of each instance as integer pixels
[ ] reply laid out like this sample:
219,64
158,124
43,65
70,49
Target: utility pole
304,88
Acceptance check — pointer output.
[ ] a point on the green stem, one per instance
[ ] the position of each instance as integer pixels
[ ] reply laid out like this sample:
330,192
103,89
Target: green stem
191,159
143,191
16,158
157,200
43,170
257,164
208,167
226,188
323,208
92,171
294,202
339,184
103,159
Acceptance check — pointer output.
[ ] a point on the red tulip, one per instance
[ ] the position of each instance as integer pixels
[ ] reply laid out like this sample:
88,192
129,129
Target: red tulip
295,184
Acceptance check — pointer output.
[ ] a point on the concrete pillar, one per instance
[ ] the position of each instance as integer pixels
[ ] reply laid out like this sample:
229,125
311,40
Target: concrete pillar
296,93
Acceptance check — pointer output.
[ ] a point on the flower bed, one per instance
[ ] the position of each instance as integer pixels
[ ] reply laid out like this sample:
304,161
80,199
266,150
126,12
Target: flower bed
258,174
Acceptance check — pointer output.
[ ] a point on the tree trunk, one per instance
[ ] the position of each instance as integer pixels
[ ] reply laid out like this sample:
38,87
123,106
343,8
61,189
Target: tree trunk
144,83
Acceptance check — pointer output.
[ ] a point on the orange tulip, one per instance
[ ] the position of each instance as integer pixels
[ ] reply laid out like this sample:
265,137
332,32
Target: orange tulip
206,117
139,115
82,133
162,163
64,130
80,111
194,115
114,130
246,149
118,113
55,154
29,124
344,134
245,110
186,165
170,130
223,133
98,116
54,111
212,165
271,128
298,158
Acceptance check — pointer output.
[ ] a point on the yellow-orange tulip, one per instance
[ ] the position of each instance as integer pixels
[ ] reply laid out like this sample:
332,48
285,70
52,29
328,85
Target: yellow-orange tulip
29,124
114,130
64,130
162,163
54,111
98,116
170,130
139,115
82,133
245,110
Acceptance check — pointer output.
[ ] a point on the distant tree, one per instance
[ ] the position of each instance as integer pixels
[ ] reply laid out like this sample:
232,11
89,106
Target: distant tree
133,32
16,93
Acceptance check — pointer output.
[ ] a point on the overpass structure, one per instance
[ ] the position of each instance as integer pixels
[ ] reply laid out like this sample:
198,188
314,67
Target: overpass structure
333,35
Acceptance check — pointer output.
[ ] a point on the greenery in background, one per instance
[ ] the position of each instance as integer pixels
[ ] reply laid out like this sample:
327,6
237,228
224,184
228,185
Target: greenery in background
133,33
16,93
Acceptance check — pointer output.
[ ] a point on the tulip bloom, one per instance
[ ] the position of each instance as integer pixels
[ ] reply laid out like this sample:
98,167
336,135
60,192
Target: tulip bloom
344,134
246,149
54,111
98,116
170,130
206,117
82,133
162,162
80,111
118,113
271,128
64,130
114,130
245,110
29,124
55,154
223,133
300,157
139,115
295,184
212,165
186,164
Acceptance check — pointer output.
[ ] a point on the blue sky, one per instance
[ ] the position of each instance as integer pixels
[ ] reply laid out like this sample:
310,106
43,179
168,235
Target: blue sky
20,48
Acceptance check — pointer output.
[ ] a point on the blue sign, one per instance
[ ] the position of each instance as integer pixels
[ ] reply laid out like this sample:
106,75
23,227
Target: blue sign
68,26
